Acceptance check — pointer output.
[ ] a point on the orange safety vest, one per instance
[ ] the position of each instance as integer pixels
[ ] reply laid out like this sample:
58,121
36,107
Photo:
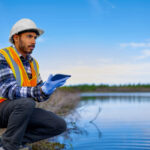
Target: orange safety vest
18,69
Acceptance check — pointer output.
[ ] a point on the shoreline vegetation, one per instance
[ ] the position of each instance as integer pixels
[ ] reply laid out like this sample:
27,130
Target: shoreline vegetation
107,88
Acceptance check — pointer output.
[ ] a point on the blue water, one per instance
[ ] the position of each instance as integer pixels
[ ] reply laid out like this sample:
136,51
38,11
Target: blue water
119,121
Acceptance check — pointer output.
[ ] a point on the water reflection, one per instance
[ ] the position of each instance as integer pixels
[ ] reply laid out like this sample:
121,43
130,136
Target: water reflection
97,128
118,98
124,94
109,122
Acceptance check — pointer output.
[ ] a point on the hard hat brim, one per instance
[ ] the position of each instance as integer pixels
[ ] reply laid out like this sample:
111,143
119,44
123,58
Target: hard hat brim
40,32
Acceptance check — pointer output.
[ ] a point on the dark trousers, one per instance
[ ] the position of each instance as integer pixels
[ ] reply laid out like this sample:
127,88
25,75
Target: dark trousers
27,124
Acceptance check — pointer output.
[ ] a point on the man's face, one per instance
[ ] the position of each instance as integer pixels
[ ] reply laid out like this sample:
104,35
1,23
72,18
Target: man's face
26,42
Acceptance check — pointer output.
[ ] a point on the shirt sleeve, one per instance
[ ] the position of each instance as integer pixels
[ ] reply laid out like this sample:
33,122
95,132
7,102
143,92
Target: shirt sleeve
11,90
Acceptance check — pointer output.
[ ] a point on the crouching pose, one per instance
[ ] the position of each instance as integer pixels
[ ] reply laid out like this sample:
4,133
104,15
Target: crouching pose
20,87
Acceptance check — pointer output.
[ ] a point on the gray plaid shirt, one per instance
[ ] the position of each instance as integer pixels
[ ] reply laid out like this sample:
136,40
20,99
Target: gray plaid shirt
9,87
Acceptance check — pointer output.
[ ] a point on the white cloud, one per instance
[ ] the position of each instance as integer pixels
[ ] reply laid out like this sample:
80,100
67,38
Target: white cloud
107,73
145,54
136,45
104,60
109,3
143,47
95,4
101,5
148,40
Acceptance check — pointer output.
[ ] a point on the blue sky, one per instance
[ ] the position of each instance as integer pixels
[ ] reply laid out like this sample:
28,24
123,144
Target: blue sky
96,41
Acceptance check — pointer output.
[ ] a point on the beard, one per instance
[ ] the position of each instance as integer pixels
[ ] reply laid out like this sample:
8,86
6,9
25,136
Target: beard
24,47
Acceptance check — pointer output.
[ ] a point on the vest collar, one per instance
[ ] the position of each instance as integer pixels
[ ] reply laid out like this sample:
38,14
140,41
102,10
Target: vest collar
29,57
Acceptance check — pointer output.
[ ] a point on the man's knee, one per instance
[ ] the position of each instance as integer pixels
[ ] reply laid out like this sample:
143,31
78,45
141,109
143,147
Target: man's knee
62,126
57,126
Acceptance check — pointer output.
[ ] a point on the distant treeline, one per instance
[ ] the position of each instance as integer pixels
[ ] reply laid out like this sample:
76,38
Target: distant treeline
108,88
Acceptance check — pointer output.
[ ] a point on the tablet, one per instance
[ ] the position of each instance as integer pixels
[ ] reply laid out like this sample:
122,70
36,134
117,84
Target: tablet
59,76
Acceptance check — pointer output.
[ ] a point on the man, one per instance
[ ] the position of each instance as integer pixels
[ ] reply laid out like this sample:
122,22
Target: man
20,87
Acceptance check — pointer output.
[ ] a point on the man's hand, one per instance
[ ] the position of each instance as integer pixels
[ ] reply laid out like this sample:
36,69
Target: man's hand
49,85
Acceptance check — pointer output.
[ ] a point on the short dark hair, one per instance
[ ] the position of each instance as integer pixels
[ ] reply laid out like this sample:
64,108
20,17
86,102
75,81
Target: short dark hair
30,30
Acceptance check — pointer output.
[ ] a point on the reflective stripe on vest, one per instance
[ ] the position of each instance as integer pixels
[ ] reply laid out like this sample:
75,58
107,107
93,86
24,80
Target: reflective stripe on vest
18,69
36,67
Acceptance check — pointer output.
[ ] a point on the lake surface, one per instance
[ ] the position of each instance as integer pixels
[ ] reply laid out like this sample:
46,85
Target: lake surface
110,121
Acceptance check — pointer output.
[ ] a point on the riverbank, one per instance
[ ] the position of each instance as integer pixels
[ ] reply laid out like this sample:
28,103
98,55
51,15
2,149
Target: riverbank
104,88
62,102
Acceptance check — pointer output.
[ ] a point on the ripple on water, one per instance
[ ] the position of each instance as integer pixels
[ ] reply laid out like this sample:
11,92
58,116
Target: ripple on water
120,125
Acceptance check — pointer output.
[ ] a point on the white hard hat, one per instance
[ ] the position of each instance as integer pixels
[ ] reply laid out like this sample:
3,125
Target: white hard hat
23,25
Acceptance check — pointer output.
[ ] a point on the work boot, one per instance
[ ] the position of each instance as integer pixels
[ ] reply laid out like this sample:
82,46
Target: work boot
24,147
21,148
0,141
1,148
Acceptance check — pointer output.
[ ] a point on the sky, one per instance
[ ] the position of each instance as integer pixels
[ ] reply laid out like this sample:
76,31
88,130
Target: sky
95,41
